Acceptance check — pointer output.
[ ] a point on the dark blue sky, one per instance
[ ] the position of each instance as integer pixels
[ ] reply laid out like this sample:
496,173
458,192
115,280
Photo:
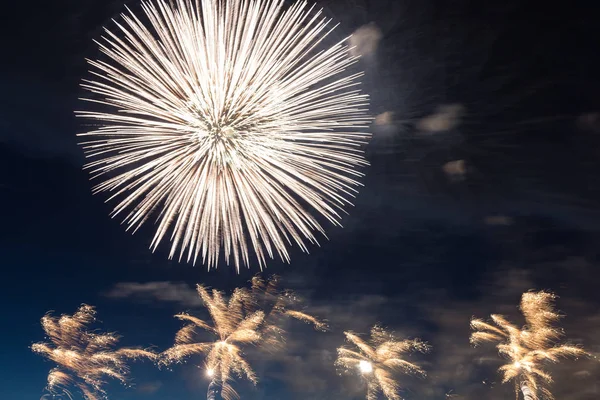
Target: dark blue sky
419,252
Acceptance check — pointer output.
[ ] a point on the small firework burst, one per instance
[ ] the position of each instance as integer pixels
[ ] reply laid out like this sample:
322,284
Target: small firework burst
529,348
379,359
84,358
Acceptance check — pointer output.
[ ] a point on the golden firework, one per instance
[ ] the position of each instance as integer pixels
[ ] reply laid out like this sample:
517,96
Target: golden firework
379,360
84,359
528,348
232,120
233,329
246,318
277,304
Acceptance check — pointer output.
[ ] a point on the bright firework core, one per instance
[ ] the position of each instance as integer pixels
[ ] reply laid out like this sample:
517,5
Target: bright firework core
227,132
365,367
217,132
210,372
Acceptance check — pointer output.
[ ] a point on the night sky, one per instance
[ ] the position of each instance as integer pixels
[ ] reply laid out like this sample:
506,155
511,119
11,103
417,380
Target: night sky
482,185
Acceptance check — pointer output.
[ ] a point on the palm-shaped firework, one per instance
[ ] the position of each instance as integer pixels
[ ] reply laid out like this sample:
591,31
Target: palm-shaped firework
229,118
379,359
84,358
247,317
233,330
529,348
277,304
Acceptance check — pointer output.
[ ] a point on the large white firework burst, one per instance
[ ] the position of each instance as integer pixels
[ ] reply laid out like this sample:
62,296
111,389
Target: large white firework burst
230,119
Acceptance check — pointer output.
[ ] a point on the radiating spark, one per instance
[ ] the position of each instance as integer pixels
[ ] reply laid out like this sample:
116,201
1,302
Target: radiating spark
379,359
277,304
248,317
84,359
528,348
228,120
232,328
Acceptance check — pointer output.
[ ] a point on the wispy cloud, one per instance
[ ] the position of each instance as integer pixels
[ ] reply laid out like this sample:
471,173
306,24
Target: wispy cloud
498,220
455,170
165,291
149,387
445,118
589,122
364,40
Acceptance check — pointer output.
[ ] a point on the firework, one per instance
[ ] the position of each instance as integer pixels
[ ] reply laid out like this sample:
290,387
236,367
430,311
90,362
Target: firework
266,295
84,359
529,348
232,329
232,120
247,317
379,359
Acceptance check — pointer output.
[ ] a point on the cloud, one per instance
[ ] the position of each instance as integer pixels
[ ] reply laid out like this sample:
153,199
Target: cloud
589,122
384,119
389,134
173,292
364,40
149,387
384,126
498,220
455,170
445,118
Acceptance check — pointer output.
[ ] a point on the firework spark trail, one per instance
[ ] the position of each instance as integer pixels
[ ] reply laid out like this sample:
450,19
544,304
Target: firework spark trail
246,318
228,120
379,359
276,303
232,328
84,358
529,348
